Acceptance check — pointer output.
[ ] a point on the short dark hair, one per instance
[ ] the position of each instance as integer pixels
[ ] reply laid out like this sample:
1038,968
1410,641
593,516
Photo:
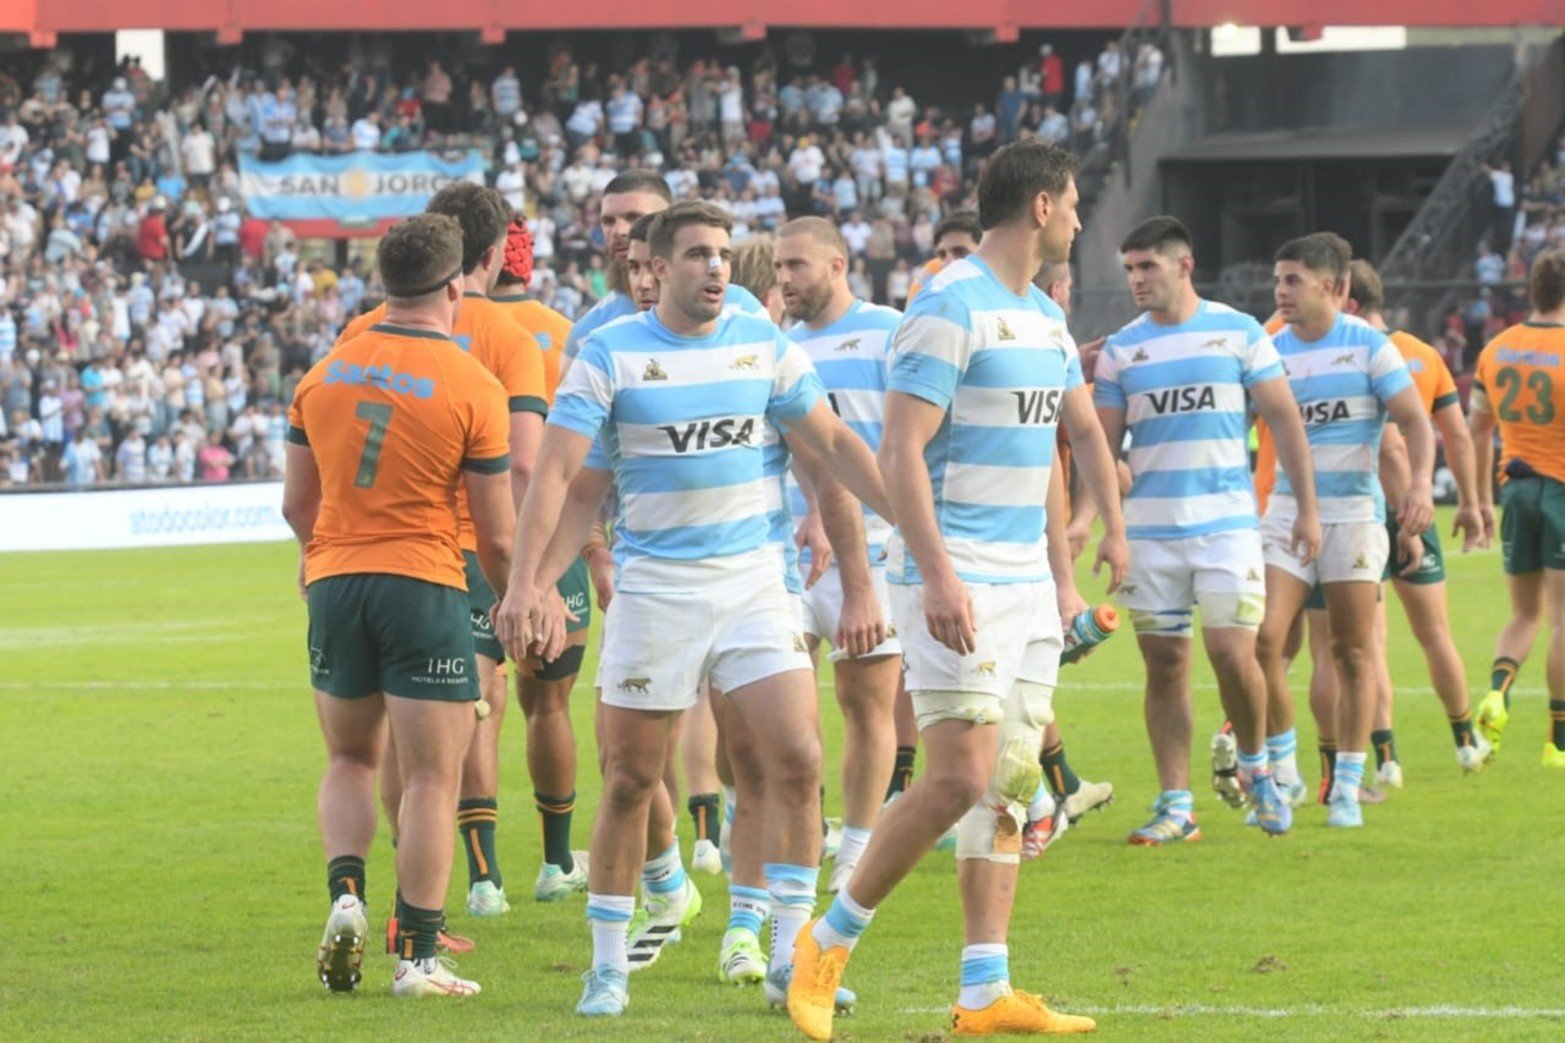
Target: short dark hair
1547,282
668,223
649,181
1315,253
1016,174
1343,248
642,228
420,255
482,212
959,221
1364,287
1157,233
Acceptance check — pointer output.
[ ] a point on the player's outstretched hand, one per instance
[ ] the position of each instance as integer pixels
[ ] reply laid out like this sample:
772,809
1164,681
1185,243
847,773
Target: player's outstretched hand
1471,525
1078,535
1114,552
948,612
522,622
1306,538
861,628
1072,604
304,588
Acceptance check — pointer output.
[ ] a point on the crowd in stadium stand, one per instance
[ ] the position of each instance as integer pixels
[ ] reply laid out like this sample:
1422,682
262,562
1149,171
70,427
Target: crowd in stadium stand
1526,220
152,331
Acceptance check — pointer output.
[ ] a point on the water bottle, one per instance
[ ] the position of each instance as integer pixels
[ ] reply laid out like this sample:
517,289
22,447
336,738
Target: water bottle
1088,630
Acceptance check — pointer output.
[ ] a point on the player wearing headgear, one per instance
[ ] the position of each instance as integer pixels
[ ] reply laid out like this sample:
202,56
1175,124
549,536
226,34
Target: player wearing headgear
383,434
512,354
545,688
983,370
1181,378
1519,389
1346,377
680,395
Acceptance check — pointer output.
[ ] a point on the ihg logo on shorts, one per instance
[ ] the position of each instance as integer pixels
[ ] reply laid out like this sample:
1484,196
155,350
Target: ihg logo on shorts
444,671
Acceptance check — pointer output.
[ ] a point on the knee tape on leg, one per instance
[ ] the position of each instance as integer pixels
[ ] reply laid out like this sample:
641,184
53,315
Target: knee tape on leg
1162,624
1221,610
992,829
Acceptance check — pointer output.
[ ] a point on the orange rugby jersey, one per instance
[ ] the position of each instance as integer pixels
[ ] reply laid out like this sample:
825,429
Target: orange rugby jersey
485,330
393,416
1522,373
547,326
930,269
1265,475
1436,387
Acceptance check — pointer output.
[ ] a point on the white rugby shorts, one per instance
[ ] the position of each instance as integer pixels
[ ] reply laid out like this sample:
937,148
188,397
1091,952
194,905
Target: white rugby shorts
1019,638
659,649
1167,578
1350,552
823,612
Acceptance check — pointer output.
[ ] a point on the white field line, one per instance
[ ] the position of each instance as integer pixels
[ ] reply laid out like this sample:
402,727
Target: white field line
826,685
1308,1010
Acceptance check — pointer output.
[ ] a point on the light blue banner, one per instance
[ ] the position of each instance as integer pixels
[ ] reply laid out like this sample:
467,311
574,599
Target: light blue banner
359,187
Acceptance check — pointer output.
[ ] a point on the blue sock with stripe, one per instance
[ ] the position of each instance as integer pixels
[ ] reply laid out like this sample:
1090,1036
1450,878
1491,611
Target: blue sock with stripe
986,975
1253,765
791,889
609,918
1348,776
1283,752
844,921
665,874
747,908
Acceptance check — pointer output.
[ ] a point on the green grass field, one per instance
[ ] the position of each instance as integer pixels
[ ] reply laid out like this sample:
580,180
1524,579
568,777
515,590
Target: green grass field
164,877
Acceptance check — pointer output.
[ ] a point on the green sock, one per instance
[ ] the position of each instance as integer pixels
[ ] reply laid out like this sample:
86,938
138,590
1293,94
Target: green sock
902,773
1385,744
555,815
345,876
420,931
1462,729
706,811
1557,718
1502,675
476,820
1057,770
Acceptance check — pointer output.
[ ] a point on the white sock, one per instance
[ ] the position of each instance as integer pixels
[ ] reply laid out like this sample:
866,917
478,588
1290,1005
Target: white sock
609,918
854,840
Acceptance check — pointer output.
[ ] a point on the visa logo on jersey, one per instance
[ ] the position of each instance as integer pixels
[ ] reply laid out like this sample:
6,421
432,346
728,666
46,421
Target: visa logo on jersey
1325,411
1038,407
1182,400
383,377
700,435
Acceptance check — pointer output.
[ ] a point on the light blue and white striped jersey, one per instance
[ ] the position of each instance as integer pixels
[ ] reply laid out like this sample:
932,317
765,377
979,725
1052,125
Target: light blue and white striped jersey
851,355
1183,392
1342,382
999,365
621,305
683,422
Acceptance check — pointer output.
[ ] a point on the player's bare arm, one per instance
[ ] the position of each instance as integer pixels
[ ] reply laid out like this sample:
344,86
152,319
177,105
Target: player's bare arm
1416,510
525,619
1071,603
526,436
1480,425
301,499
810,533
1101,478
861,626
948,608
1460,457
844,454
494,520
1276,405
1396,475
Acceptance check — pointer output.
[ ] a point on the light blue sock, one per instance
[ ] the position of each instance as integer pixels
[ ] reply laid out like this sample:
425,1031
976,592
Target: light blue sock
664,874
1283,752
609,918
844,921
747,908
1253,765
986,975
1348,775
